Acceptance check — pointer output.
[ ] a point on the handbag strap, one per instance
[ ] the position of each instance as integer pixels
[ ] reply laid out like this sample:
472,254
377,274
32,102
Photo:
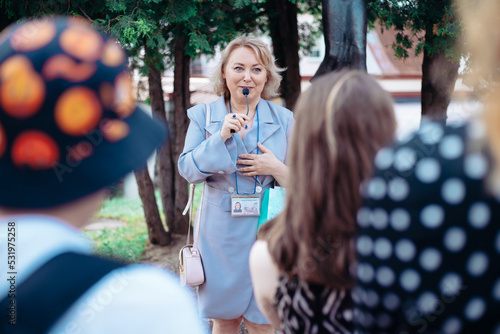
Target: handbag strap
198,219
189,205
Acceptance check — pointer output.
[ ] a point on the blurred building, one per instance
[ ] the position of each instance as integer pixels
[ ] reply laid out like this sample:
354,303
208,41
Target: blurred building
401,78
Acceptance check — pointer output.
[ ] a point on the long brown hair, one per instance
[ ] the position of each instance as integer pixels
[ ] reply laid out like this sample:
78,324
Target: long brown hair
341,122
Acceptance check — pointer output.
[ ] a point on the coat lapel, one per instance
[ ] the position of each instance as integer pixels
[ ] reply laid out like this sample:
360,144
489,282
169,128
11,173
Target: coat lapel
267,126
217,113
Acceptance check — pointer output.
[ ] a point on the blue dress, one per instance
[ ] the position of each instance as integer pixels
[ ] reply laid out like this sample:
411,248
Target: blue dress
225,241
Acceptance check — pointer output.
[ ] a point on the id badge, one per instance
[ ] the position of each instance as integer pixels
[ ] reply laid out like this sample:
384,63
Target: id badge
245,206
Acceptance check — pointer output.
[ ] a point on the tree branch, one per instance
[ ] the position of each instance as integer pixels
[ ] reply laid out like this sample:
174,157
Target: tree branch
85,14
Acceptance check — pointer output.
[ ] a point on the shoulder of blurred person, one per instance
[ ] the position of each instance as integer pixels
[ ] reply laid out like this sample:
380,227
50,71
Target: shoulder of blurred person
136,298
265,274
128,299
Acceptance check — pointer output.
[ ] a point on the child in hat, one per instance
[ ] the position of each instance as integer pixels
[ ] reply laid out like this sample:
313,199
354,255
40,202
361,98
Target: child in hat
69,127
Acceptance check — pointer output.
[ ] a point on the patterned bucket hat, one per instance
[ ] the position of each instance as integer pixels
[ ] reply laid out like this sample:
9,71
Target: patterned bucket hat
69,125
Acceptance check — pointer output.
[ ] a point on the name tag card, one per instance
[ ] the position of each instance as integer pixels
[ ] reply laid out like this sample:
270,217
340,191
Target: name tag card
245,206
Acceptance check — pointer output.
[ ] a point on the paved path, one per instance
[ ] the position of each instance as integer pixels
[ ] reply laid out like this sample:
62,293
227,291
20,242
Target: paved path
104,223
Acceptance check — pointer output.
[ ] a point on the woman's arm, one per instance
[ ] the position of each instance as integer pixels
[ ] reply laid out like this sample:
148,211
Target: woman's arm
265,276
203,157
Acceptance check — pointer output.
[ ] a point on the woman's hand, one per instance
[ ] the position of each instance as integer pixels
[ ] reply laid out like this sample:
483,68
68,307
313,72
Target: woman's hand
263,164
232,122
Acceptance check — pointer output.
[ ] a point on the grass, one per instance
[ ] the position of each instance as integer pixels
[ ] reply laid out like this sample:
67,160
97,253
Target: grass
128,242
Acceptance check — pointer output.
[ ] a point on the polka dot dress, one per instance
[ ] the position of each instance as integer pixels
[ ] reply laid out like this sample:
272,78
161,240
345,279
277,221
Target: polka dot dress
429,244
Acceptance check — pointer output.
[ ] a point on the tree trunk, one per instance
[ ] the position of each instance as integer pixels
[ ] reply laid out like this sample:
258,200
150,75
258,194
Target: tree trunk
156,232
344,29
439,75
164,158
285,36
181,123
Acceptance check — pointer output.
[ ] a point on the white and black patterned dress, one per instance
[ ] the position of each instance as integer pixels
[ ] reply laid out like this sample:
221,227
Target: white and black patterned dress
308,308
429,241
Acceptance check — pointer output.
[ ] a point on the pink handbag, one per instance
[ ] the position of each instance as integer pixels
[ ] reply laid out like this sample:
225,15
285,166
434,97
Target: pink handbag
190,263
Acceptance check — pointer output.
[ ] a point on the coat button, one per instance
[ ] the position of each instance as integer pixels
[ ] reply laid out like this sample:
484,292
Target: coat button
258,189
222,172
230,189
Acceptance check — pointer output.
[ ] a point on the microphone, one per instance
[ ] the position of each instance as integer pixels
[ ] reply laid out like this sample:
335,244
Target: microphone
245,92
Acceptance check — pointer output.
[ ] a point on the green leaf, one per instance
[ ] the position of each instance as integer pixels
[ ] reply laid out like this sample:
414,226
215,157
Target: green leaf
180,11
116,5
199,42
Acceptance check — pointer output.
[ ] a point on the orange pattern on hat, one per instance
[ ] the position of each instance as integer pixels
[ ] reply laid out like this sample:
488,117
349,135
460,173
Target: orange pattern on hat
64,67
13,65
112,54
22,90
82,42
33,35
114,130
3,140
78,111
34,149
124,95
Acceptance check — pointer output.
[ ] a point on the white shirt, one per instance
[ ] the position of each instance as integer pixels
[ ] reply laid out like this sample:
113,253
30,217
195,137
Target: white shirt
138,298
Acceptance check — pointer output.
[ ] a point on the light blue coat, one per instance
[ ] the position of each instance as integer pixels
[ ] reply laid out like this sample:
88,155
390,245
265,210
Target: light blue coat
225,241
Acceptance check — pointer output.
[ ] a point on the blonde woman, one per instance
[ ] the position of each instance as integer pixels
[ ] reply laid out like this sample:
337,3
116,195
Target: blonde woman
243,156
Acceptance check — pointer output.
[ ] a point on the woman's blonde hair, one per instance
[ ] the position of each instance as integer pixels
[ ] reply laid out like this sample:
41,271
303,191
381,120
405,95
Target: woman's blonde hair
341,121
263,55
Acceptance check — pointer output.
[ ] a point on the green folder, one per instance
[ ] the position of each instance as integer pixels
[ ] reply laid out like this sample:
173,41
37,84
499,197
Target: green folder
273,203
